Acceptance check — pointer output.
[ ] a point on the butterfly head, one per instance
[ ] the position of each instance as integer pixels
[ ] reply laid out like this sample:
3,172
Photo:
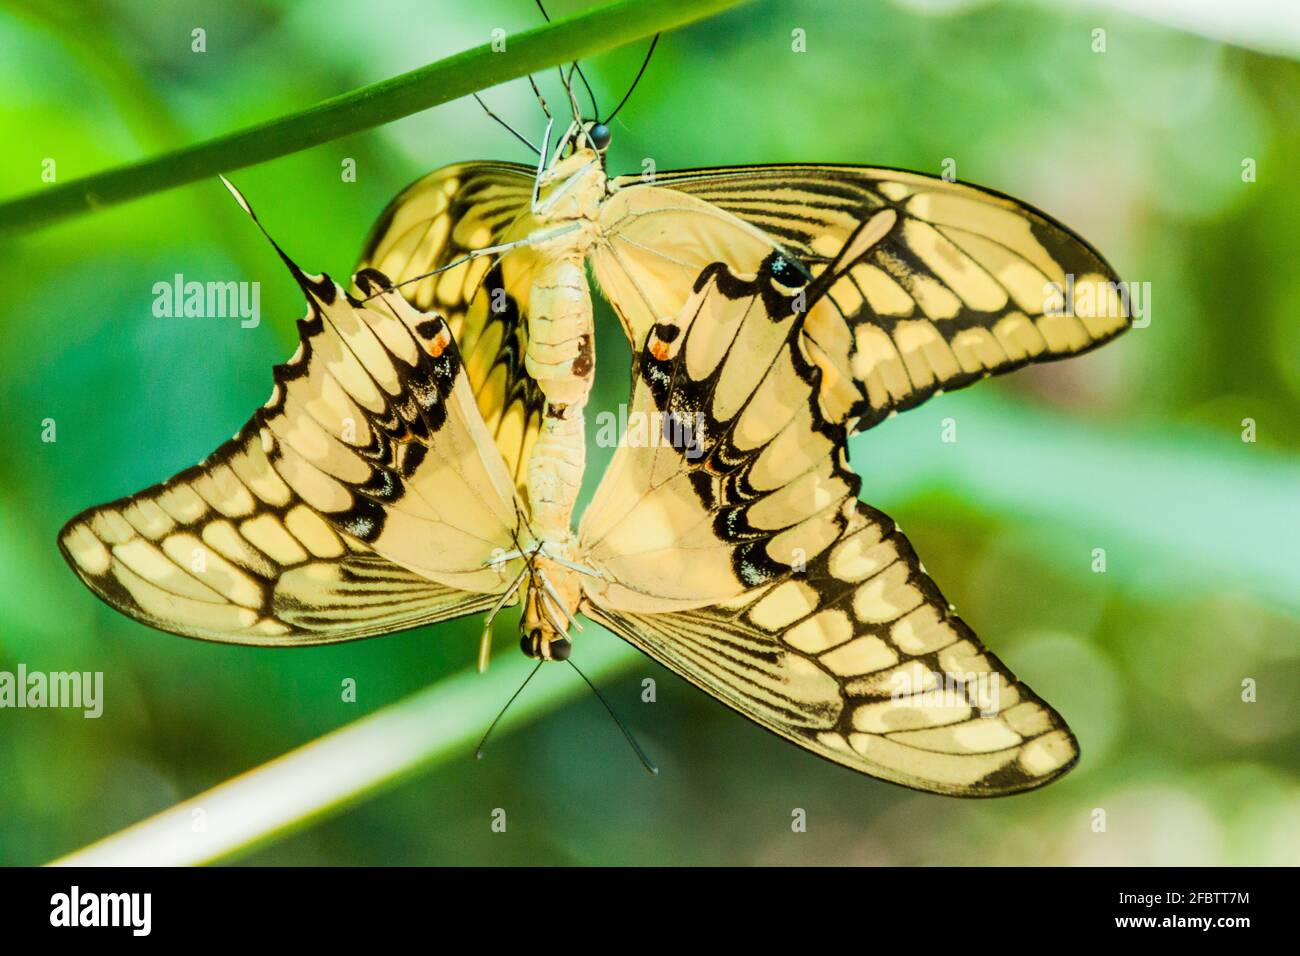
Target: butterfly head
550,603
540,635
586,138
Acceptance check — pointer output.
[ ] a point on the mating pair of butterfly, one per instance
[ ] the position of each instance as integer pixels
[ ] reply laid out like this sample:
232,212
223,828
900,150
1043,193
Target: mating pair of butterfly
421,452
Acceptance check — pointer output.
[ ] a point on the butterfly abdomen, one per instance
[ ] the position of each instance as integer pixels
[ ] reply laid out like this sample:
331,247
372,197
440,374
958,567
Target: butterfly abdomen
560,356
561,359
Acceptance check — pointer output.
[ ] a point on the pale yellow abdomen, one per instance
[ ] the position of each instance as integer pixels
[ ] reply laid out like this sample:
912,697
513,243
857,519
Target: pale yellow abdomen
561,358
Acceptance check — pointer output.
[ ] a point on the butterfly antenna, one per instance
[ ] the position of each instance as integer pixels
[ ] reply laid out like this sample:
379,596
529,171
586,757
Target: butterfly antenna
568,90
595,110
514,132
639,73
540,99
483,743
641,755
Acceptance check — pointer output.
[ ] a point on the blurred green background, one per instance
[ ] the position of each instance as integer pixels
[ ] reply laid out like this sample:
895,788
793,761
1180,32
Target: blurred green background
1136,448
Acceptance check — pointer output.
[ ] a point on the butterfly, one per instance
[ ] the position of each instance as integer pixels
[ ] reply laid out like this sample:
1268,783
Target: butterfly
420,455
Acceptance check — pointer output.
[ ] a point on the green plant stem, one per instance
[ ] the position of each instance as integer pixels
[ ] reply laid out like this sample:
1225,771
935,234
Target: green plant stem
579,36
425,730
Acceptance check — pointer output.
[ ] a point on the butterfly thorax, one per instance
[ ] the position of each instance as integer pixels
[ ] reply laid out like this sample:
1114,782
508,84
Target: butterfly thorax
573,188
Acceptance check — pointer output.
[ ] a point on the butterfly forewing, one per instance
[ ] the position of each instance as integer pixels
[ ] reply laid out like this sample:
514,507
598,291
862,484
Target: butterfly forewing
914,284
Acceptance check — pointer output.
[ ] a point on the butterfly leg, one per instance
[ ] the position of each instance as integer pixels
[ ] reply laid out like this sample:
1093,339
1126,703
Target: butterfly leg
536,238
485,641
541,159
571,565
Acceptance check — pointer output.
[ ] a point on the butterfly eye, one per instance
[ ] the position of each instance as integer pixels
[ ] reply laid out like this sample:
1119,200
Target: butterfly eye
599,134
531,642
560,649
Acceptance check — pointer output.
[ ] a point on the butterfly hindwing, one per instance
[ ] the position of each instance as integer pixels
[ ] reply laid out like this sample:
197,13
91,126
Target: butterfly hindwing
438,220
912,284
226,551
736,553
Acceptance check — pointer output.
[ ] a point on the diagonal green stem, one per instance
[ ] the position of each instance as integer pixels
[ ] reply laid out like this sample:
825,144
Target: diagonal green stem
579,36
427,729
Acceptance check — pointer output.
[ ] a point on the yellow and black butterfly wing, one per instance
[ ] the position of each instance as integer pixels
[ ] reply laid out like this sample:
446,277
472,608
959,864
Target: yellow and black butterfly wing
227,551
913,285
731,547
438,220
365,496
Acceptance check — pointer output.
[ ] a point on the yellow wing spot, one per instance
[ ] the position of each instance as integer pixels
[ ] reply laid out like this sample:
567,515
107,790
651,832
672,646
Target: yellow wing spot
260,477
875,355
1062,333
838,394
922,631
954,268
450,284
944,769
1048,753
935,299
833,741
226,493
153,565
808,538
270,537
110,526
1027,719
1022,280
827,245
907,679
980,735
800,499
164,605
964,657
820,632
474,276
1018,337
147,518
886,596
884,295
825,324
863,655
976,350
939,355
783,605
893,190
907,713
183,504
87,550
845,295
222,537
859,557
312,485
924,352
205,564
311,529
871,232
